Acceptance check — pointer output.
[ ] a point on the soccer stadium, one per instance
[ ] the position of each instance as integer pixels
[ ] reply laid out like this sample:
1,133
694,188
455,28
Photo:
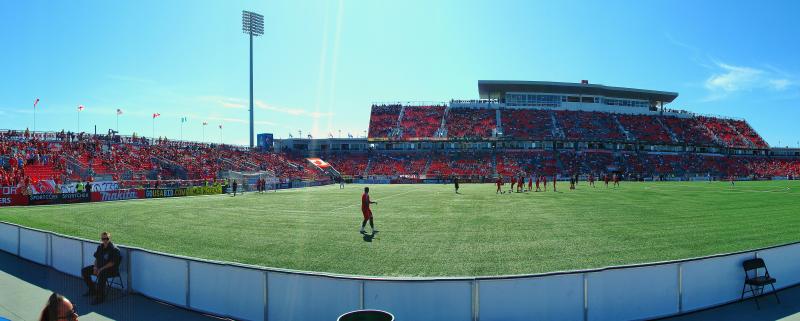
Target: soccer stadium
527,200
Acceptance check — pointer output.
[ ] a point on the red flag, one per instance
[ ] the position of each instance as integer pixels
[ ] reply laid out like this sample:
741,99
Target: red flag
80,107
35,102
156,115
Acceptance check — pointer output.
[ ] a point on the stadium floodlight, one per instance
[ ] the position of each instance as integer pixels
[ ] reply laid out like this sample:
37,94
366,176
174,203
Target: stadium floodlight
253,25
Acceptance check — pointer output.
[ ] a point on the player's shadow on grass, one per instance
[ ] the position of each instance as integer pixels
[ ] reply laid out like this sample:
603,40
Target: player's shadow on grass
369,237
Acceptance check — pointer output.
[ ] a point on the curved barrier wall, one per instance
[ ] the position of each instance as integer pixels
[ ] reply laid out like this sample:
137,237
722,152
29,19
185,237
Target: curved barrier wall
248,292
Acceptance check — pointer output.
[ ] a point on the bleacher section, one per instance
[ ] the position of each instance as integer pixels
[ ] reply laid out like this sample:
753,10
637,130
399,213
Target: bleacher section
383,120
530,124
424,122
470,123
421,121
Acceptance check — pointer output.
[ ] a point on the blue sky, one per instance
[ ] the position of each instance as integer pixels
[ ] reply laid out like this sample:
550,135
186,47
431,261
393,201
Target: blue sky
320,64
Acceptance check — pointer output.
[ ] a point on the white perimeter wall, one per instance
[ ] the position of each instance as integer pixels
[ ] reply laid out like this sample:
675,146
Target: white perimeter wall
253,293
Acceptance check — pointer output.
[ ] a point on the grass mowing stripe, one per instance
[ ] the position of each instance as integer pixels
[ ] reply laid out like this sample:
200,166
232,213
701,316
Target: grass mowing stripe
428,230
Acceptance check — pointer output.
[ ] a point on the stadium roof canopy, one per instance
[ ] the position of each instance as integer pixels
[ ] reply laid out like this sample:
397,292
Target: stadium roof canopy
490,89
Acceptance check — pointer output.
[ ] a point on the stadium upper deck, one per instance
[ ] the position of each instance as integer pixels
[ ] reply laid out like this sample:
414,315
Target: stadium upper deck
562,112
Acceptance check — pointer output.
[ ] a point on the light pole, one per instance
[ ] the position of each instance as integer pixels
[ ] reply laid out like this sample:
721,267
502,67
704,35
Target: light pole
253,25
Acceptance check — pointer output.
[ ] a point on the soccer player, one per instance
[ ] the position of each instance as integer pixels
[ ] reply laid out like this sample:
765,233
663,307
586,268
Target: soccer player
554,182
591,179
538,180
499,183
605,179
732,181
520,184
341,182
235,185
530,183
616,180
571,182
513,181
455,183
365,201
544,181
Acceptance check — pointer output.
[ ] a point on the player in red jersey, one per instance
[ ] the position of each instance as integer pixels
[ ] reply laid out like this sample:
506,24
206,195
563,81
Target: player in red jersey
499,183
591,179
520,184
538,179
605,179
554,182
530,183
513,181
544,181
616,180
365,201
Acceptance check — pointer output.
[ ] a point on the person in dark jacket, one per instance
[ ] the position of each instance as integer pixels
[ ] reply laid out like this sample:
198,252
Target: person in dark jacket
107,258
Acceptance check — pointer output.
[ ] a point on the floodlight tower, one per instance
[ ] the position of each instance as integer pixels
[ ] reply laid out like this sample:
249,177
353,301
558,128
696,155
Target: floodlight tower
253,25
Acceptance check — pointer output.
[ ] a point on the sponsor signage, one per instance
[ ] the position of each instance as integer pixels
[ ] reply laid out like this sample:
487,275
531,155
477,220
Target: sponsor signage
101,186
46,199
118,195
165,192
204,190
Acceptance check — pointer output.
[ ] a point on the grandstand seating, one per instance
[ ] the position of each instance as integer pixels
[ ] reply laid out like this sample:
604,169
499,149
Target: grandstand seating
743,128
406,164
723,131
421,121
531,124
470,123
462,165
645,128
383,119
591,126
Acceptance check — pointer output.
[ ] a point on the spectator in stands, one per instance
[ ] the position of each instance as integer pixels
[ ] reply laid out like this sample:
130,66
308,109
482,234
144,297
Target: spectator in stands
107,258
58,308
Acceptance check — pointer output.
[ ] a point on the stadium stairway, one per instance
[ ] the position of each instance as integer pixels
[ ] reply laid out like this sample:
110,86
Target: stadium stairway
669,131
628,136
746,140
25,287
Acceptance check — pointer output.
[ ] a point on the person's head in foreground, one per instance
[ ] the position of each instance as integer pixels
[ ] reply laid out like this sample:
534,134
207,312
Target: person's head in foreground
58,308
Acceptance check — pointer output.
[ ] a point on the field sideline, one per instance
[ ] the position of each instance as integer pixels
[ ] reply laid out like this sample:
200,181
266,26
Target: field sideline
428,230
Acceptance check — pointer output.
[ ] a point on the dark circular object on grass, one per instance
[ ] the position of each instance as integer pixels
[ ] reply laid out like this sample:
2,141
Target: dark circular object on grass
366,315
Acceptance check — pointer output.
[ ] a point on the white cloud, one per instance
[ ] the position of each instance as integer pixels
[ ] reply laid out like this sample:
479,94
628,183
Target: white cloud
238,103
291,111
225,102
729,79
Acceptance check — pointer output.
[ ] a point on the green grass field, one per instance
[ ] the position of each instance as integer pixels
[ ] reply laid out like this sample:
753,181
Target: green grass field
427,230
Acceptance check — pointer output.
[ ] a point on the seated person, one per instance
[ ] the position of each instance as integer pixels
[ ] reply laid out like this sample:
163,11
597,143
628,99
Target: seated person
106,264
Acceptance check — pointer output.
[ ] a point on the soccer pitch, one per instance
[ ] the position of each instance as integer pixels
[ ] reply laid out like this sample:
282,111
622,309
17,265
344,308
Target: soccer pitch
428,230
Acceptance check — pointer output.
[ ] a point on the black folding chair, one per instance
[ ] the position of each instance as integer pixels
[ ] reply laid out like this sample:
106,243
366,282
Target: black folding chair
757,282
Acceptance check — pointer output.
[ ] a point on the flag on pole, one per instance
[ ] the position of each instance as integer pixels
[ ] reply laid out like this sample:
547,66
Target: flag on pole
349,135
220,126
330,135
35,102
156,115
290,135
80,108
205,123
119,111
184,119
